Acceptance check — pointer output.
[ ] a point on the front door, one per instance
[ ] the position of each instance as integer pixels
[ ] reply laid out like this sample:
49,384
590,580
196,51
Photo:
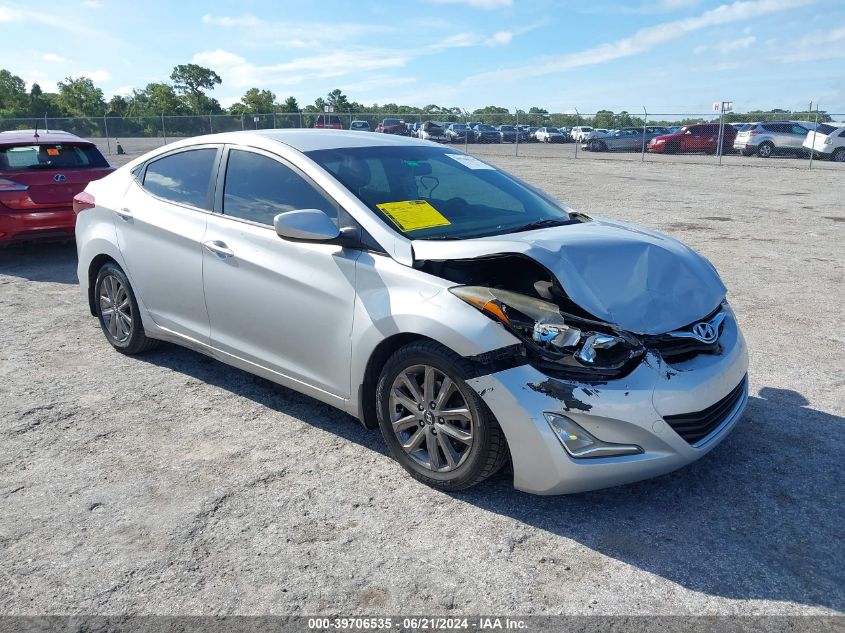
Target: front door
286,306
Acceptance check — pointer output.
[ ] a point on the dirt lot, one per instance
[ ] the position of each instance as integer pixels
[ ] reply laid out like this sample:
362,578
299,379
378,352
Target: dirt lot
173,484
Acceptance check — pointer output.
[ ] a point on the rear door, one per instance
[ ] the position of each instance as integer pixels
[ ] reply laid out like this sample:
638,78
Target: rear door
160,228
285,306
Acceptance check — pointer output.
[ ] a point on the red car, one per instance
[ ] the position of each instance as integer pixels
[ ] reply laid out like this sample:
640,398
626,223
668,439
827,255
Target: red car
701,137
40,173
328,122
393,126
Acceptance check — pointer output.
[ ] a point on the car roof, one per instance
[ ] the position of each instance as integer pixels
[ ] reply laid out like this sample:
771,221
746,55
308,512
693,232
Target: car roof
305,140
44,136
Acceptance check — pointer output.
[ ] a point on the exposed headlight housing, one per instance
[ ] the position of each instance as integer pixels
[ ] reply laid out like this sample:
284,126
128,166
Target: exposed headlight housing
581,444
566,344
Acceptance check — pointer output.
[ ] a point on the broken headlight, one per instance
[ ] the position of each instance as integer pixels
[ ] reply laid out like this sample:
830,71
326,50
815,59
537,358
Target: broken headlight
558,342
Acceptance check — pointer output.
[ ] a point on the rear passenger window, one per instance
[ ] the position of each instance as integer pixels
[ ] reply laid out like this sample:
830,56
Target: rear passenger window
182,177
258,188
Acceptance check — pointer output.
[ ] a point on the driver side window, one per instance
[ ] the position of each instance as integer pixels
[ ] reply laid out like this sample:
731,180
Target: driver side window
258,188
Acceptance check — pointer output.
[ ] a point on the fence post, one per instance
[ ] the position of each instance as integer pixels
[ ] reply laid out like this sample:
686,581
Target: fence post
242,121
813,145
721,136
106,128
274,118
466,132
300,118
578,121
163,129
210,124
517,132
645,121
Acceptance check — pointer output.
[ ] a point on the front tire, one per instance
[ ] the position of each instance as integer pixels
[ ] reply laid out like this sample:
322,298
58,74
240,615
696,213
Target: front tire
839,155
765,150
117,312
433,423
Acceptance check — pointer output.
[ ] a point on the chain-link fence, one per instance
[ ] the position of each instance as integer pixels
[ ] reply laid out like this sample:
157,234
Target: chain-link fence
778,138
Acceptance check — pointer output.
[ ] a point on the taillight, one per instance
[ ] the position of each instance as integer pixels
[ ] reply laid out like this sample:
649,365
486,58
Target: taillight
81,201
8,185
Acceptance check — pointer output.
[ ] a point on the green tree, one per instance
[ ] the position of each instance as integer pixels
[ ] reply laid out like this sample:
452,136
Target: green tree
13,99
155,99
78,96
254,101
338,101
290,105
603,119
117,106
191,81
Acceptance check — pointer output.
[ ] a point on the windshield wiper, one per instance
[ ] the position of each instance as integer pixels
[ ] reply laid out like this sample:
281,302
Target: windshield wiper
541,224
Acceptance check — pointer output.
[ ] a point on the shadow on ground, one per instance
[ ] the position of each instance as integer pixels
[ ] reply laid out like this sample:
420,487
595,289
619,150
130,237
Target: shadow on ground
760,517
27,261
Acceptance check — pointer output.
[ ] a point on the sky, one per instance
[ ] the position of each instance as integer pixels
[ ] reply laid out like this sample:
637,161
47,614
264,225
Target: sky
669,56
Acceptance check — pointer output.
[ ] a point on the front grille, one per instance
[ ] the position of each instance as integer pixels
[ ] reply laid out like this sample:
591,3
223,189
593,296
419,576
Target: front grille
678,349
694,427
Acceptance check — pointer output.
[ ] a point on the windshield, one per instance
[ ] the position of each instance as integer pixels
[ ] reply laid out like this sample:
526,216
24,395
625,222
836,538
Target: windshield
552,130
51,156
438,193
485,128
391,122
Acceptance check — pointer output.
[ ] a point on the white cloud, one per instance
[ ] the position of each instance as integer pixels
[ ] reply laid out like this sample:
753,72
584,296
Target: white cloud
52,57
728,46
298,34
815,46
93,4
500,38
643,40
238,72
94,75
124,91
478,4
56,21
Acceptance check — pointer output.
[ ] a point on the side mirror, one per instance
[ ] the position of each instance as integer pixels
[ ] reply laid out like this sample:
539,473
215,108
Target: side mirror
688,132
305,225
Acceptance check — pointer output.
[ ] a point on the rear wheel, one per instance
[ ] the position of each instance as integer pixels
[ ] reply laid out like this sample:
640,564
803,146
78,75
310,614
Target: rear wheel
766,149
117,311
839,155
434,424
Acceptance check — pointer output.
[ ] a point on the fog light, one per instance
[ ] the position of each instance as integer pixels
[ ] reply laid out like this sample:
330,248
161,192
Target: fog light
581,444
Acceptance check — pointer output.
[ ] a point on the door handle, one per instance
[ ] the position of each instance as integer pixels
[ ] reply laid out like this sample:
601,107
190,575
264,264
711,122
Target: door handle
124,213
219,248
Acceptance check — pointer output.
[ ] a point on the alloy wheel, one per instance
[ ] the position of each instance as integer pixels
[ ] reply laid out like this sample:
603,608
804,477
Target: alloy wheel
765,150
431,418
115,308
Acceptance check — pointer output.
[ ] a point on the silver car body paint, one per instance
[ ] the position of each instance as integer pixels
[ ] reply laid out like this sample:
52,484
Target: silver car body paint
636,278
357,300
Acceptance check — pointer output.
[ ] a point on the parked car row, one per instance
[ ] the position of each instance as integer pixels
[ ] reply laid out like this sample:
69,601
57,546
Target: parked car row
764,139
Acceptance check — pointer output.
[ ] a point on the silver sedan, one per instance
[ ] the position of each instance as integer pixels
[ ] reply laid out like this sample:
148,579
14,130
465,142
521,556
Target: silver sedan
628,139
472,318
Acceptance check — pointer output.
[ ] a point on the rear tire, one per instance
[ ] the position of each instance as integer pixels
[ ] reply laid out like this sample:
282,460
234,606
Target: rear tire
434,424
117,312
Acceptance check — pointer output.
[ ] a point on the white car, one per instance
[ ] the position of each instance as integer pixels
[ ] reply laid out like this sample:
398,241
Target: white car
828,141
473,318
431,131
550,135
579,132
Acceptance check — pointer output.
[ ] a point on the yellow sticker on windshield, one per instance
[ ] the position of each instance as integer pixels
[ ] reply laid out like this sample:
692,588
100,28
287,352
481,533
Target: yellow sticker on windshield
413,215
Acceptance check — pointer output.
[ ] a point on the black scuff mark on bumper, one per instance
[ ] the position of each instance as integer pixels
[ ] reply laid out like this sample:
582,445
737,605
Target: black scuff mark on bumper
561,391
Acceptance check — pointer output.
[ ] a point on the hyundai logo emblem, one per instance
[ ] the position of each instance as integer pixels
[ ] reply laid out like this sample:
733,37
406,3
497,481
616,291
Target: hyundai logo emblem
59,177
705,332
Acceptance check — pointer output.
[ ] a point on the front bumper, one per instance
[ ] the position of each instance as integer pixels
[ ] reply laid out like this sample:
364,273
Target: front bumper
17,226
629,410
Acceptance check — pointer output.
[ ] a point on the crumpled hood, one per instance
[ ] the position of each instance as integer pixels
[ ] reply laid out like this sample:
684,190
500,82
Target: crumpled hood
638,279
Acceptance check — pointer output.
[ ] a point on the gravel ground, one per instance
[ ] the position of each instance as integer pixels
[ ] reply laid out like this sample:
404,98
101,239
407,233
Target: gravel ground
172,484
